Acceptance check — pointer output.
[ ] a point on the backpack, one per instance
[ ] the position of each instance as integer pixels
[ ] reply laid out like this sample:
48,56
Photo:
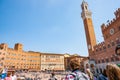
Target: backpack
79,76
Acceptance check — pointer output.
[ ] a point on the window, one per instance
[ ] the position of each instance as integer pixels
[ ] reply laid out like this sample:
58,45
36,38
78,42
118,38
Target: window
100,49
113,44
112,59
107,60
98,61
86,7
116,58
117,41
104,47
119,28
103,61
96,50
108,45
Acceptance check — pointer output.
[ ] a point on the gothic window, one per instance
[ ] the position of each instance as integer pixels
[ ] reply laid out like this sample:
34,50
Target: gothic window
103,61
96,50
107,60
98,61
112,59
119,28
100,49
116,58
108,45
113,44
86,7
117,41
104,47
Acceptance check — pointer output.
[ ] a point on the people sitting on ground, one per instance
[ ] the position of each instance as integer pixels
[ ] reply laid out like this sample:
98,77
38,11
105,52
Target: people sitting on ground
113,72
102,76
52,77
76,73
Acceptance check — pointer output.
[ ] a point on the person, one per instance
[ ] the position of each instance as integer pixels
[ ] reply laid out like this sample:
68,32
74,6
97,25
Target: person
102,76
76,74
53,77
14,77
117,50
3,73
90,74
8,76
113,72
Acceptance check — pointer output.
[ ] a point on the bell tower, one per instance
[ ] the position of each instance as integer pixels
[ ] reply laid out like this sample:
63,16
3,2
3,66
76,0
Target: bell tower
88,26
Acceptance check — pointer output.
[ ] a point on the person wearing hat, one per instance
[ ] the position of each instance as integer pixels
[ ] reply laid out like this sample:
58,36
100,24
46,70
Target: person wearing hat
117,50
76,74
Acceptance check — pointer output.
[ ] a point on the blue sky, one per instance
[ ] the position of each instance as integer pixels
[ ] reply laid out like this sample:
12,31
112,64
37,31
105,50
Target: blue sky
53,26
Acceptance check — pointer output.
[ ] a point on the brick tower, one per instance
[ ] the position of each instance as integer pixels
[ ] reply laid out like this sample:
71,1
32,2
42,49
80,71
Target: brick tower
88,26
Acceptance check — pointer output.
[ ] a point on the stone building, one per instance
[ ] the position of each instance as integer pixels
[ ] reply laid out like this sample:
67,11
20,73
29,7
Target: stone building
2,56
52,61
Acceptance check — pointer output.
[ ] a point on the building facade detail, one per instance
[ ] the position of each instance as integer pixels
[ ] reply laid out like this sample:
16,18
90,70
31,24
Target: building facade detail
103,52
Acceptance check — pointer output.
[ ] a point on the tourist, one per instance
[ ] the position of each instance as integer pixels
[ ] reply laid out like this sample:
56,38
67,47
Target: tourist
113,72
103,76
8,76
76,73
14,77
90,74
3,73
53,77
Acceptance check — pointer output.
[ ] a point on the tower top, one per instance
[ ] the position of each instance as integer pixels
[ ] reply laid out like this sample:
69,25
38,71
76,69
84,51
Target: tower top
86,13
83,2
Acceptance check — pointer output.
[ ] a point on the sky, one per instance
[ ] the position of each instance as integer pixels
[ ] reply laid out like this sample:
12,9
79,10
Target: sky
52,26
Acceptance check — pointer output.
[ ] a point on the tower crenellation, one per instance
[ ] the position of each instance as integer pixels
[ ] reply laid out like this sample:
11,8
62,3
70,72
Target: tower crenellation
105,26
18,47
117,13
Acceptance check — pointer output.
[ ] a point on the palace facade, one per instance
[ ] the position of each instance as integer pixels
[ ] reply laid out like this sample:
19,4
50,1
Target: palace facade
102,53
52,61
18,59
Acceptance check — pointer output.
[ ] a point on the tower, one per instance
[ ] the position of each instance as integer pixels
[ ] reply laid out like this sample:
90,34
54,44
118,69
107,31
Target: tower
88,26
18,47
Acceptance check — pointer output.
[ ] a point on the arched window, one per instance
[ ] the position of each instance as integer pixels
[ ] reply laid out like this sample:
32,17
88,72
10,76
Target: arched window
103,61
109,46
86,7
104,47
113,44
119,28
112,59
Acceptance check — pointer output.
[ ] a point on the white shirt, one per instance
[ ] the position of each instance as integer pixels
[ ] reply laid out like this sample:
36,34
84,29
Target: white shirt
14,77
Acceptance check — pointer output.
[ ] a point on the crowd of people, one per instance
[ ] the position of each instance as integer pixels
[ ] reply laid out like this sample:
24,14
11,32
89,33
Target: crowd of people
111,72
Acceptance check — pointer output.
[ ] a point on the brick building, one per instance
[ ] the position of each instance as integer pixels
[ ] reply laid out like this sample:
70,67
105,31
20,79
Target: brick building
18,59
104,52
